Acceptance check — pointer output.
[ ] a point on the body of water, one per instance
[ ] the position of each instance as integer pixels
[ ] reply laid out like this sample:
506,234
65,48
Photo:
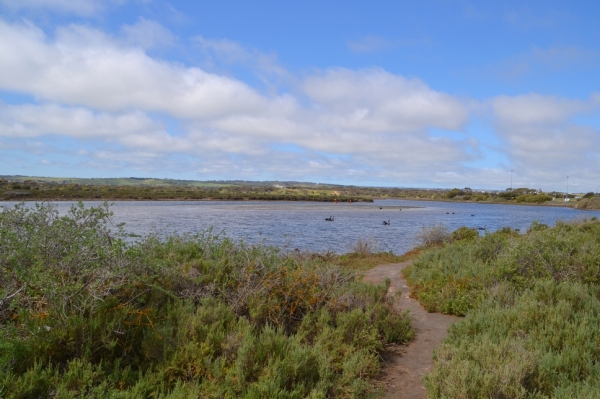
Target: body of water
303,225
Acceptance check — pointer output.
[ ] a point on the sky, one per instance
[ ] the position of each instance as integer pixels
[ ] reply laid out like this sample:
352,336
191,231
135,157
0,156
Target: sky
431,94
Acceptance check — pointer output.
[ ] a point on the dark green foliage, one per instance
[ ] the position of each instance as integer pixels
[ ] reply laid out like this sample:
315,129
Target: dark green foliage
82,313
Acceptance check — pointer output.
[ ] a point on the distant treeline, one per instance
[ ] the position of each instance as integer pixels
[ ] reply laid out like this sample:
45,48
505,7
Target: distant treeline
19,187
34,190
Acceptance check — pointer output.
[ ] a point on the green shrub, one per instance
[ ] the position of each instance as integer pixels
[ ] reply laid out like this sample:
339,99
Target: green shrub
534,198
532,325
432,236
533,343
464,233
84,313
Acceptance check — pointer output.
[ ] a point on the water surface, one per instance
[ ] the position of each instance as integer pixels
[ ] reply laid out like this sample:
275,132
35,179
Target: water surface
302,225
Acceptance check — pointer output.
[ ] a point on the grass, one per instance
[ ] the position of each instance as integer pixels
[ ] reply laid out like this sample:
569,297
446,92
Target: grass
84,313
531,326
361,262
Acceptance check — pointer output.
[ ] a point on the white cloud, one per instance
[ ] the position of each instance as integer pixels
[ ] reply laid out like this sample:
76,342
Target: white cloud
82,66
90,86
536,109
375,100
230,52
544,139
147,34
30,120
134,129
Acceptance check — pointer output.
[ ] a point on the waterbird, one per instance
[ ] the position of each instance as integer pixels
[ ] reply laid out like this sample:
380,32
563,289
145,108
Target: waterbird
329,219
386,223
482,228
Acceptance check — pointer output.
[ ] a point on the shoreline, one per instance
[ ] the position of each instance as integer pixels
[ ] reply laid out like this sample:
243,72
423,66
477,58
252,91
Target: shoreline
23,199
173,199
481,202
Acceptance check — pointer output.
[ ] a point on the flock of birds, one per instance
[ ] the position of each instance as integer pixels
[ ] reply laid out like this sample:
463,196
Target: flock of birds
388,222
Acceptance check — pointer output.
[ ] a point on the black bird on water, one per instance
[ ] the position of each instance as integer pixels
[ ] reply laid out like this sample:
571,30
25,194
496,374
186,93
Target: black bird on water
482,228
386,223
329,219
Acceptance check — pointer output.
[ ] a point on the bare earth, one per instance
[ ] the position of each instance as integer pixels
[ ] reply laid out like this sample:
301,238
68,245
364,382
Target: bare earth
407,364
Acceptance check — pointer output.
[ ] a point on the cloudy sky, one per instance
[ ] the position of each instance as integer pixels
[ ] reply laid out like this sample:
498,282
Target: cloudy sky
389,93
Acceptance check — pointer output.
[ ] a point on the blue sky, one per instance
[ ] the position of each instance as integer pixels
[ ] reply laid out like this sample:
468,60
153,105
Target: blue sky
386,93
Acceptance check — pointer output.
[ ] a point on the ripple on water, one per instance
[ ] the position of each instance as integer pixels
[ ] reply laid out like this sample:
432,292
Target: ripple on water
302,224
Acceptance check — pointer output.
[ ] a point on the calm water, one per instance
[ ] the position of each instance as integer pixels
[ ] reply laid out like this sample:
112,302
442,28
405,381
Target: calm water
302,225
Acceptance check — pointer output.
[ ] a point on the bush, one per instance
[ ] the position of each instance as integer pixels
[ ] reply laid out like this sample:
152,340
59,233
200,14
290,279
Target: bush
523,344
454,192
82,312
464,233
589,203
433,236
534,198
531,307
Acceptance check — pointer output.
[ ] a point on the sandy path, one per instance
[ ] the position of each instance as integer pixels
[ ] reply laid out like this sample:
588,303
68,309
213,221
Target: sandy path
406,365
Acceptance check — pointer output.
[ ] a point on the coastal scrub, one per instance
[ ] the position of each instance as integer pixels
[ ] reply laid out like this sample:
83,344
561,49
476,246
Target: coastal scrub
84,311
532,315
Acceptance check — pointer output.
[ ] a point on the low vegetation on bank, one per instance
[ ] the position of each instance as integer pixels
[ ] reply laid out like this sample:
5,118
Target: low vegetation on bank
531,326
141,189
589,203
55,191
86,313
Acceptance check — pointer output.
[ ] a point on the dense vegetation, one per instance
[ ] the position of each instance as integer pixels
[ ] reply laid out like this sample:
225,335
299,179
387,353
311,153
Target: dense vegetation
532,311
589,203
39,188
85,313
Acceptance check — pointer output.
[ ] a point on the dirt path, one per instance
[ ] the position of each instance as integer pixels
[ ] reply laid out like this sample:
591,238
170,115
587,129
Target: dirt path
407,364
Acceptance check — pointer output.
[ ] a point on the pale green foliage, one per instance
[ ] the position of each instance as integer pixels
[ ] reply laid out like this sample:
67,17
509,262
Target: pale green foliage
82,313
532,325
432,236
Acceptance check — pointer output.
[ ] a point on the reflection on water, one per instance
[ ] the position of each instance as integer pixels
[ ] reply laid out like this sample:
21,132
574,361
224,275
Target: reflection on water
302,225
